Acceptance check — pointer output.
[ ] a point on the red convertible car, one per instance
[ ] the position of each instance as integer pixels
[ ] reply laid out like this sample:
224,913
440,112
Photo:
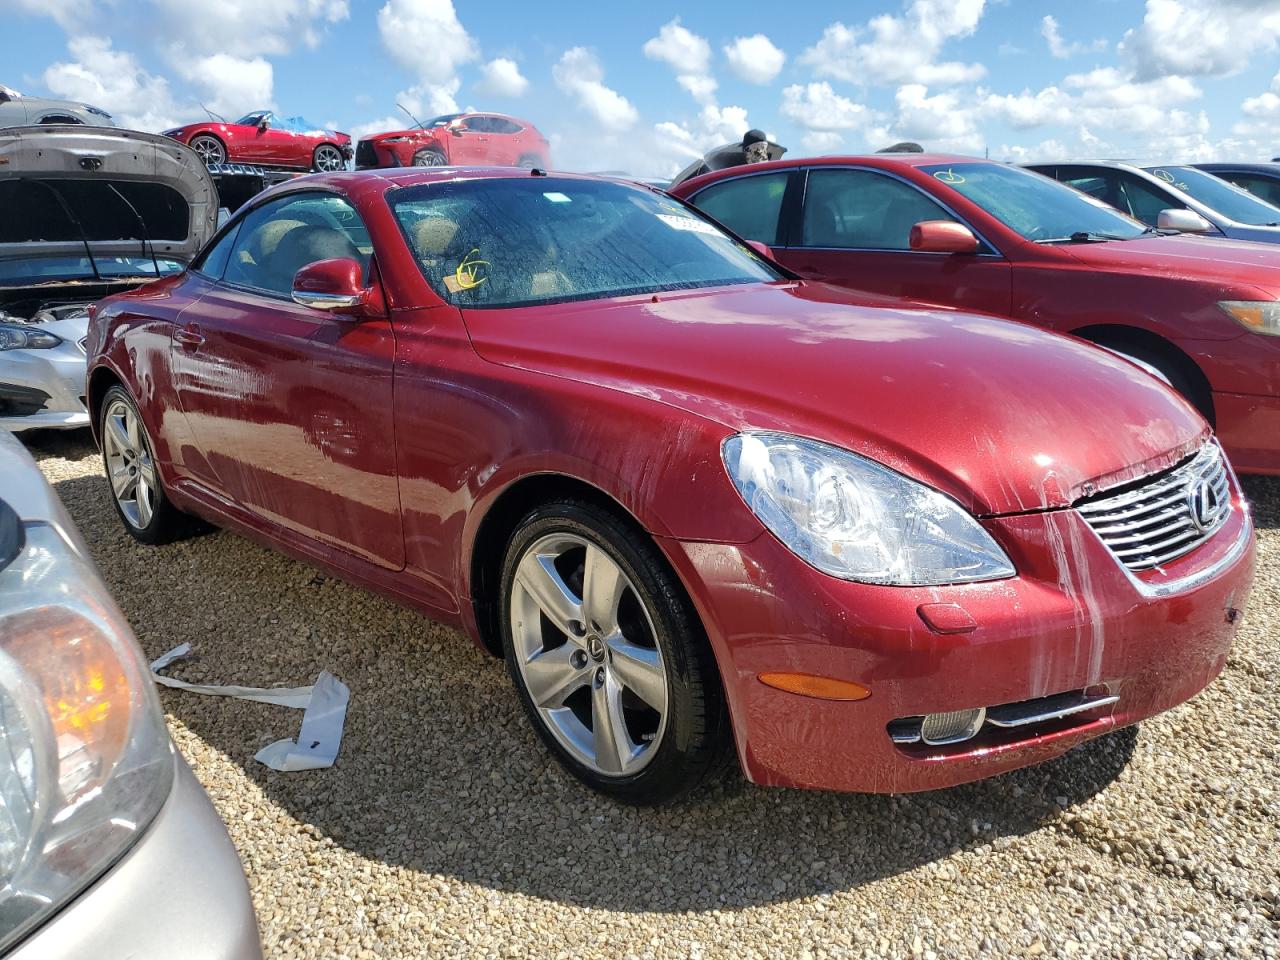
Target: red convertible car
267,140
1203,315
460,140
692,500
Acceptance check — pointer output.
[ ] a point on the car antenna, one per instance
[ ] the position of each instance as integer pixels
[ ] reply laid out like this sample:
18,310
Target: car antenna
75,221
411,116
142,224
213,116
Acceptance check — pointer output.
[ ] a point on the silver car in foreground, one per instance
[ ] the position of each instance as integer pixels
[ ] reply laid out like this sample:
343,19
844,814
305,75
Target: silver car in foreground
108,845
17,110
1172,196
84,212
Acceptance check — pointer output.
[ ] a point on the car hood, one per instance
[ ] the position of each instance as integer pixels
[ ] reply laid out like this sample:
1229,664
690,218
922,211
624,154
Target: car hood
1186,257
105,158
412,132
1003,417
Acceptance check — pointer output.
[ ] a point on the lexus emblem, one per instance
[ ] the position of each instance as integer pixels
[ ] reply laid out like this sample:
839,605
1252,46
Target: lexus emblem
1202,504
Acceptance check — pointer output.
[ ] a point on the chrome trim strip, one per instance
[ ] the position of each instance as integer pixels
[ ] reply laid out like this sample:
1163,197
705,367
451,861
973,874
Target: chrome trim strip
1010,716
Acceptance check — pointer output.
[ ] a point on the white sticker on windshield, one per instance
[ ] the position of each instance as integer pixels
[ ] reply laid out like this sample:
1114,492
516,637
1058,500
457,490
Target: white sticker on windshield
557,198
688,223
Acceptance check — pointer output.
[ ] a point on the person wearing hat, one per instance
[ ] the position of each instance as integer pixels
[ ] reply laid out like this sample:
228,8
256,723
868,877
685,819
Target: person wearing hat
755,146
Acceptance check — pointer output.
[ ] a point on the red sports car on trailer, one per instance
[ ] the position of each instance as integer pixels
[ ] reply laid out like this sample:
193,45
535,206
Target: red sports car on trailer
268,140
458,140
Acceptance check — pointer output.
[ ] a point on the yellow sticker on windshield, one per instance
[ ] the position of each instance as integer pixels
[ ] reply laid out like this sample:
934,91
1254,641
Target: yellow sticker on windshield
470,274
949,176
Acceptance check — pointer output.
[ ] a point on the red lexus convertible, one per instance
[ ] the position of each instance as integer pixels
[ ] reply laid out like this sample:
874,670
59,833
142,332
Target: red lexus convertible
692,500
265,139
1203,315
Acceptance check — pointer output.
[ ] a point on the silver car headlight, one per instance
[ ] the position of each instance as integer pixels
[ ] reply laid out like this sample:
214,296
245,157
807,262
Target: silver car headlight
17,336
855,519
85,758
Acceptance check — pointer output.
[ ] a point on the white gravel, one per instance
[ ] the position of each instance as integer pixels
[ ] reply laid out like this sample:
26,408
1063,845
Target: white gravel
444,830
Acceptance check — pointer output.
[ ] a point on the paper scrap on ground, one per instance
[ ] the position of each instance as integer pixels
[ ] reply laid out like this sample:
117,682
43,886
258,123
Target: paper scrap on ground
324,706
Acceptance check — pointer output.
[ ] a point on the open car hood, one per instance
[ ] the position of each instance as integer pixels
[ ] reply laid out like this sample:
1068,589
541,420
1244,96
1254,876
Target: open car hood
721,158
63,186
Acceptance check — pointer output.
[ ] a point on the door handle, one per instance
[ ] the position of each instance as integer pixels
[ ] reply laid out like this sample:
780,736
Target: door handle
188,337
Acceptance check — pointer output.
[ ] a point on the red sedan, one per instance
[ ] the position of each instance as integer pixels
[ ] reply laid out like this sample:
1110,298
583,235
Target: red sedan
268,140
460,140
690,499
1203,315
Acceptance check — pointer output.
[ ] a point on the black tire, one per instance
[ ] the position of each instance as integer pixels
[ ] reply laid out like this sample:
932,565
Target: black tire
164,523
696,735
332,155
209,148
429,158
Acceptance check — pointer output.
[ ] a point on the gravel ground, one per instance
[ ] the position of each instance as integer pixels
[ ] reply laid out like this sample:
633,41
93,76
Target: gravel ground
444,830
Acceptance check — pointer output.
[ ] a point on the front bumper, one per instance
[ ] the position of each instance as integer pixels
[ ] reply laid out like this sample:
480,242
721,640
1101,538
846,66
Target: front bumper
43,389
1072,620
179,892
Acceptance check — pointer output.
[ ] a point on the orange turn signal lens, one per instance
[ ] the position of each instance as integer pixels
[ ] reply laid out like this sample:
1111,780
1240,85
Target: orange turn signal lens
823,688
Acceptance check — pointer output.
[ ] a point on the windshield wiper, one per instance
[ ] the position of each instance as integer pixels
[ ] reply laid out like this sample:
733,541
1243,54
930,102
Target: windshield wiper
75,221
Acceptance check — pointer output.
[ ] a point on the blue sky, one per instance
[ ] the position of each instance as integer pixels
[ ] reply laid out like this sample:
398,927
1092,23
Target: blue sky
643,87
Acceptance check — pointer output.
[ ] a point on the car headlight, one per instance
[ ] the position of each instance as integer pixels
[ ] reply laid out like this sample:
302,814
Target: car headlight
855,519
16,336
1260,316
85,758
395,139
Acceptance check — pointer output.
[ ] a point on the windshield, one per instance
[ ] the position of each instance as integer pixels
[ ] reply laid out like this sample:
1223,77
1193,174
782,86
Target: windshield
507,242
1228,200
441,121
1035,206
29,271
251,119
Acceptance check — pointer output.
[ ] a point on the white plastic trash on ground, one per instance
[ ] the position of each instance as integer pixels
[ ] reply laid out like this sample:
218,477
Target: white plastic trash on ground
324,706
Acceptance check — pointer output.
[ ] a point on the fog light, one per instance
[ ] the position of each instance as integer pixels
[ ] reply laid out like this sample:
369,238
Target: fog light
953,727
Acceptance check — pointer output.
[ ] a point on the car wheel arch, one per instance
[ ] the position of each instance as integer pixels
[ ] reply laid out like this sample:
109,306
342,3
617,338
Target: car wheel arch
483,566
101,380
1146,345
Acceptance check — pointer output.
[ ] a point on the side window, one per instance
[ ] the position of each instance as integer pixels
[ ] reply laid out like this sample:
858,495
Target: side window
1262,187
861,210
502,125
749,206
480,124
1143,201
213,262
278,239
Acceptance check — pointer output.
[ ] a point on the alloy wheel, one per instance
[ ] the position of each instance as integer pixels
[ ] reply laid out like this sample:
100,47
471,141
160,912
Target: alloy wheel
587,651
329,158
130,465
208,149
428,158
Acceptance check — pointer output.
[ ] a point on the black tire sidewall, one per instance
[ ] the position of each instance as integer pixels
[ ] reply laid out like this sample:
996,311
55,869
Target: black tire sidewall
688,741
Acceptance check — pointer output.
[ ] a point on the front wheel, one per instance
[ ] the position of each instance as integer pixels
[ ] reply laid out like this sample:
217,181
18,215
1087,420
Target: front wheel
136,489
210,150
613,669
429,158
327,159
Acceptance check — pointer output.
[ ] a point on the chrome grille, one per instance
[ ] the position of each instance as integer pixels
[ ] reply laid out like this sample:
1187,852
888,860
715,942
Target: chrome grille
1166,516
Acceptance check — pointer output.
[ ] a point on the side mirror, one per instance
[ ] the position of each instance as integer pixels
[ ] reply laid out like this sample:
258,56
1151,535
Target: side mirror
263,123
335,286
457,128
1184,221
942,236
761,248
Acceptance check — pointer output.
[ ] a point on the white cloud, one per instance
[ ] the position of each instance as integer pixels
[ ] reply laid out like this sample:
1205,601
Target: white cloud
113,80
426,38
68,14
502,78
816,106
230,85
822,141
944,121
579,74
249,27
899,49
688,54
1201,38
1058,47
755,59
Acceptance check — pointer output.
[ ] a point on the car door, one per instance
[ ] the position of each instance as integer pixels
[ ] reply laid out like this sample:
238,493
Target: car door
469,143
290,406
854,231
505,142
